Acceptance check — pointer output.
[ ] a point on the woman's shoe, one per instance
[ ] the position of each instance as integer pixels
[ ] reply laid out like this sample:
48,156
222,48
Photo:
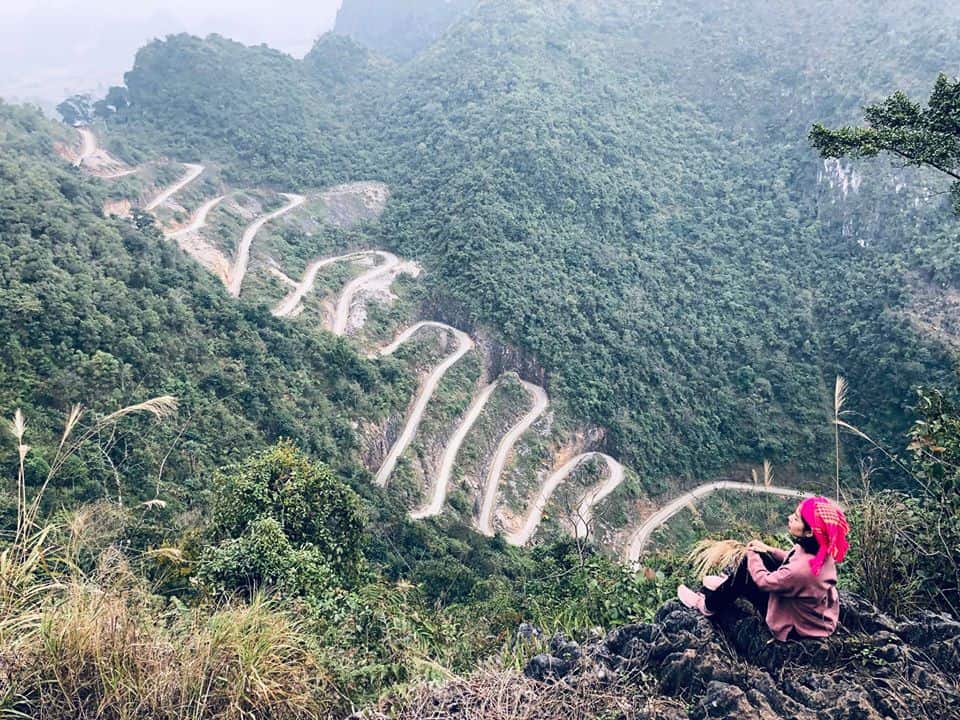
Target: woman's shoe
712,582
693,600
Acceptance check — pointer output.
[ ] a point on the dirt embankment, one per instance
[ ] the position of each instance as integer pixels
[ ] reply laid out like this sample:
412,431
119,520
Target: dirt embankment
355,202
92,158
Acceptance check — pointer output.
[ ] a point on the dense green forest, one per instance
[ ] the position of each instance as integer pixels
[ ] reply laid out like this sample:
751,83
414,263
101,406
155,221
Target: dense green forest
108,313
634,207
103,313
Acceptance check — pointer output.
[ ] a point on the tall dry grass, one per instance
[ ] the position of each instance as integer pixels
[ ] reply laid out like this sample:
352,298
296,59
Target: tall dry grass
71,441
104,647
709,555
767,478
100,645
839,399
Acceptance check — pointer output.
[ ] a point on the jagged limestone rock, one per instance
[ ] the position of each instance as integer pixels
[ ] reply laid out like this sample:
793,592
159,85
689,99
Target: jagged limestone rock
729,666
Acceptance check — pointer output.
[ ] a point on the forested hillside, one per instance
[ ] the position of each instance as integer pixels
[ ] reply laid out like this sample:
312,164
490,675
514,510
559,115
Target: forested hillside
104,313
608,223
624,193
256,107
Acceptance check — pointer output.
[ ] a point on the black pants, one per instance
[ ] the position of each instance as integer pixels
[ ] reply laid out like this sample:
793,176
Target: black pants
740,584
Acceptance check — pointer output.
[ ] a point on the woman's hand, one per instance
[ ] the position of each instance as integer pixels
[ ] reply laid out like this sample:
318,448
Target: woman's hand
759,546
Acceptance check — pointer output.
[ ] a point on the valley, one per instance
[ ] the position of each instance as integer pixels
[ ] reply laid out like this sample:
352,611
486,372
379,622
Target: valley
488,521
413,376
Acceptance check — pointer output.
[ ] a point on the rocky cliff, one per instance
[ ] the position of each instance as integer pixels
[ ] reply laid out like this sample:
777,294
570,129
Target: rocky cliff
683,665
730,667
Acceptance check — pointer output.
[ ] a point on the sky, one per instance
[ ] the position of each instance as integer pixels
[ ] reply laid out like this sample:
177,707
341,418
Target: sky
50,49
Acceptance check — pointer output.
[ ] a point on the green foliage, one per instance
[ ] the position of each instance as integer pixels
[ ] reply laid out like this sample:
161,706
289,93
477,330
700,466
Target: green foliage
116,99
105,312
920,136
935,445
76,110
906,547
588,590
884,565
382,635
281,521
263,557
650,229
259,110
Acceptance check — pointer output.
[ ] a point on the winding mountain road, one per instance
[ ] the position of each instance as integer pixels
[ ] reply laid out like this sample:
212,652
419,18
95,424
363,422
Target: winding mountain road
584,507
341,314
380,275
242,258
597,494
198,220
283,277
540,404
288,306
464,345
96,160
193,172
440,485
391,265
642,534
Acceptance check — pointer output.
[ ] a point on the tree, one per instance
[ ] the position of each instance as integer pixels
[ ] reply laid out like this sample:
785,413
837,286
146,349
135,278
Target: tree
920,136
282,521
76,110
117,98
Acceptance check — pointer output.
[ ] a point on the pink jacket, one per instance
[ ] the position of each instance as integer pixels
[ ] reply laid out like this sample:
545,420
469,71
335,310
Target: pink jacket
799,600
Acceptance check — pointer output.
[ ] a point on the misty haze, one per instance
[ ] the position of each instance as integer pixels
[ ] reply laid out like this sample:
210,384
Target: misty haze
87,46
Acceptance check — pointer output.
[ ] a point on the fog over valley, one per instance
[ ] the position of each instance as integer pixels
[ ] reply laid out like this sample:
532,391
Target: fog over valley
50,49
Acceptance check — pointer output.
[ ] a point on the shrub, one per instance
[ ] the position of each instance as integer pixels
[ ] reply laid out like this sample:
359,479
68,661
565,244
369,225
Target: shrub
310,503
264,557
909,546
281,521
935,444
883,564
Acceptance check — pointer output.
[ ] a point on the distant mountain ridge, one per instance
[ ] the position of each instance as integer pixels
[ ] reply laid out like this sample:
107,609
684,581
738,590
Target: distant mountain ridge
398,29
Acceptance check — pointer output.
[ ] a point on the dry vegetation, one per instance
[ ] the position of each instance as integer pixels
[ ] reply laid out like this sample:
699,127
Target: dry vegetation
710,555
100,645
498,694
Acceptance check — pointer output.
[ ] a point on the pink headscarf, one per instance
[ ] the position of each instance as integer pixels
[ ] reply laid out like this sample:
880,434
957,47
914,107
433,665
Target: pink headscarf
829,527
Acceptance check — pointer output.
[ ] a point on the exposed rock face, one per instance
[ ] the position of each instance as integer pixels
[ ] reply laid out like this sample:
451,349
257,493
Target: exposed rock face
355,202
729,666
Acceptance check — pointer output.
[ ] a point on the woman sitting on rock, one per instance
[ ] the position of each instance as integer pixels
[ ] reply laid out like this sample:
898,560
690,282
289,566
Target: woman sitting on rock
796,590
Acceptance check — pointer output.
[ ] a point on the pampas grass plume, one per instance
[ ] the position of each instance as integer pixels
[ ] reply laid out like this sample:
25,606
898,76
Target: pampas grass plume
710,555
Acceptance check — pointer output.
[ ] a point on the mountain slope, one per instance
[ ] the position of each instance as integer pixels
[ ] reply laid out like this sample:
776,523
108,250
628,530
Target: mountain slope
398,28
634,208
101,312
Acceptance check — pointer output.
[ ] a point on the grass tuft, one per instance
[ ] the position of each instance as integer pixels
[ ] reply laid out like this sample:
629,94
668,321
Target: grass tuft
709,555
